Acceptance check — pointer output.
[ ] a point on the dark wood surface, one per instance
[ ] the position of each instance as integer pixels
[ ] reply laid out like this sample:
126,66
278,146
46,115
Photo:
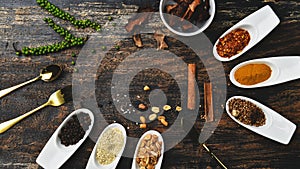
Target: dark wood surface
237,147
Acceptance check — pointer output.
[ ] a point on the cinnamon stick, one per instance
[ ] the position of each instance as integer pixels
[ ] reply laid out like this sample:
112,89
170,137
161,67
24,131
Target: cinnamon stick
191,102
208,102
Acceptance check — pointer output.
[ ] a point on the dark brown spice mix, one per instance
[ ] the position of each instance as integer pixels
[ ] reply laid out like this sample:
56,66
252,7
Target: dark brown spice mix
74,130
247,112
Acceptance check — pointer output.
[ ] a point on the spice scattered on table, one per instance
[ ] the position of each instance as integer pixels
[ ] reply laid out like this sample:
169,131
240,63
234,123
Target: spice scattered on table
142,119
155,109
143,125
251,74
149,152
136,22
247,112
109,146
146,88
138,40
142,106
163,121
178,108
195,11
233,43
152,117
74,130
166,107
160,39
142,16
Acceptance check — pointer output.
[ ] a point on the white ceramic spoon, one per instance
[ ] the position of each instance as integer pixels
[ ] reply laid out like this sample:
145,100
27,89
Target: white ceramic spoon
54,154
284,68
160,138
93,163
259,24
204,25
276,128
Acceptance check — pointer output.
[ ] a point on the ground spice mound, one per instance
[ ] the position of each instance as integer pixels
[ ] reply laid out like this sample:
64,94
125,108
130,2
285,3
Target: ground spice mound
247,112
252,74
74,130
233,43
109,146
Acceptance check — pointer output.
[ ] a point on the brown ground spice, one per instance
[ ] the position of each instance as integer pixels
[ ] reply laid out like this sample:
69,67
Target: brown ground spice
247,112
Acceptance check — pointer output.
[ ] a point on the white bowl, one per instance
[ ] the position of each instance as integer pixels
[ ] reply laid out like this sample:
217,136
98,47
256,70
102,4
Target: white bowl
206,23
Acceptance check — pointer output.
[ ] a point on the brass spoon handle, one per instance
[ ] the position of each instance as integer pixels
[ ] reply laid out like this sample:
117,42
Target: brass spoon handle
8,90
8,124
214,156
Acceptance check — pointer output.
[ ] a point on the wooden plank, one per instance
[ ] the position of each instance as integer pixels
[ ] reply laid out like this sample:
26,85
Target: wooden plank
21,21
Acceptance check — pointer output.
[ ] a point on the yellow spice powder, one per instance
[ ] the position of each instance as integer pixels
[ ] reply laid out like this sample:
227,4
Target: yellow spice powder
252,74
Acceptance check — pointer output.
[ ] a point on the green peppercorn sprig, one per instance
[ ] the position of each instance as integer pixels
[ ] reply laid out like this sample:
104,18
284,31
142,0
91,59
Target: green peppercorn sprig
57,12
69,41
60,30
64,32
41,50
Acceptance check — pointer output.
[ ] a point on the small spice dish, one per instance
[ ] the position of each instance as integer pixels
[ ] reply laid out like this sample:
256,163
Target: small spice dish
284,68
276,127
198,28
159,139
258,24
54,154
93,163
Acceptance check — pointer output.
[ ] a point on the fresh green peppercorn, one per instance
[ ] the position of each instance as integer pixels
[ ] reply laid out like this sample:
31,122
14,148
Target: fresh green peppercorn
73,54
73,62
117,47
55,11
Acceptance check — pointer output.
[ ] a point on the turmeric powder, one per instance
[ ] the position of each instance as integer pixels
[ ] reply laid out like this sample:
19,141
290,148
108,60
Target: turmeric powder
252,74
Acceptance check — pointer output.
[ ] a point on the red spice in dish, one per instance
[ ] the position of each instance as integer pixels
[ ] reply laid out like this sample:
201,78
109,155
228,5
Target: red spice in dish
233,43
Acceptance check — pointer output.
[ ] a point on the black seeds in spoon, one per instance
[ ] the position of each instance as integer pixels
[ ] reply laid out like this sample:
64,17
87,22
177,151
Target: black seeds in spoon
74,130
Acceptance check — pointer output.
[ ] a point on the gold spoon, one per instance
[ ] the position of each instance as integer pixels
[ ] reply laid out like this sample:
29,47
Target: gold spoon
47,74
56,99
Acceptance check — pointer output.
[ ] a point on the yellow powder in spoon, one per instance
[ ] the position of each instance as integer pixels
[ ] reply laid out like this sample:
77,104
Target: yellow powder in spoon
252,74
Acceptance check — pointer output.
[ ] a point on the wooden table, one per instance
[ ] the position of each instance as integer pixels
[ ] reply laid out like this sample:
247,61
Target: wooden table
236,146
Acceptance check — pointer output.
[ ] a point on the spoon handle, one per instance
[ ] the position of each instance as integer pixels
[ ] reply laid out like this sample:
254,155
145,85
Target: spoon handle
8,90
214,156
8,124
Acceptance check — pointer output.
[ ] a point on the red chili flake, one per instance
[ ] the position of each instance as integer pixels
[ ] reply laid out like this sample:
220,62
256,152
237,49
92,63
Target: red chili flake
233,43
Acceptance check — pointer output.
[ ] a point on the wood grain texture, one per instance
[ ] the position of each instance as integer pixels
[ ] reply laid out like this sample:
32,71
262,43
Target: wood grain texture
237,147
